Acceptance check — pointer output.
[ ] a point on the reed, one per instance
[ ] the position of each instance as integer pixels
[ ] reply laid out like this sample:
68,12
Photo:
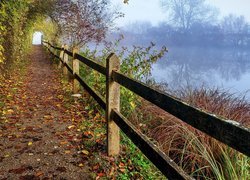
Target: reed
198,154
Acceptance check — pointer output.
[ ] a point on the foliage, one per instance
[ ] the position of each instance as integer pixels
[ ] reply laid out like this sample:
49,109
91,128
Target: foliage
129,164
11,12
82,21
48,28
135,63
17,19
198,154
133,156
79,20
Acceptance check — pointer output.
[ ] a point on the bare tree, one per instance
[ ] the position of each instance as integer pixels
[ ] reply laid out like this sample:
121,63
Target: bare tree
184,13
235,29
233,24
81,21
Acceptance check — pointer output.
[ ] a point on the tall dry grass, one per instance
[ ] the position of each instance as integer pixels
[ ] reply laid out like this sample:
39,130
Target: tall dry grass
198,154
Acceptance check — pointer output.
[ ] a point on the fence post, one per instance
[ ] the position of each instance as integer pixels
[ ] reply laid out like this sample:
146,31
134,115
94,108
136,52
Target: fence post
112,102
76,85
65,60
49,47
53,52
61,57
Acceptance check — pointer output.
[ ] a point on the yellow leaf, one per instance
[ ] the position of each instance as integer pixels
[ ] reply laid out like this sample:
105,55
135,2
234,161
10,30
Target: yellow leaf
85,152
70,127
10,111
132,104
67,152
30,143
97,116
81,165
46,117
6,155
60,96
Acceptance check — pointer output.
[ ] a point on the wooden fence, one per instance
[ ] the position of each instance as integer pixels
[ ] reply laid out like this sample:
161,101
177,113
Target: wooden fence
226,131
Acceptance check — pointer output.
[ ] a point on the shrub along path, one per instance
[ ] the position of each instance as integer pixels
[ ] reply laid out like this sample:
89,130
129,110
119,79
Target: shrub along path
39,137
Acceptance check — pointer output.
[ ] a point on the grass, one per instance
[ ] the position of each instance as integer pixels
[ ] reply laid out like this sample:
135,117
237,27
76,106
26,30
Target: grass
139,166
129,164
198,154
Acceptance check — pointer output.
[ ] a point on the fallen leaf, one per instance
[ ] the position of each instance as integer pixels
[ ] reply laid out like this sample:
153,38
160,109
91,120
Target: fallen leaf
121,165
18,170
30,143
63,142
40,173
96,167
67,152
122,170
9,111
88,135
81,165
70,127
46,117
85,152
101,174
6,155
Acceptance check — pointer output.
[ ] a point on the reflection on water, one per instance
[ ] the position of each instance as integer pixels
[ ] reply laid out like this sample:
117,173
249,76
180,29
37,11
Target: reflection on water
224,68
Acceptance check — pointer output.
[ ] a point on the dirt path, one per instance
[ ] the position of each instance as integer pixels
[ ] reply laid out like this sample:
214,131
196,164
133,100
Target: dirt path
38,139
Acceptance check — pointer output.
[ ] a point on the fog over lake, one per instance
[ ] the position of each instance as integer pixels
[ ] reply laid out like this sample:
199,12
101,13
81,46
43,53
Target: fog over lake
208,41
225,68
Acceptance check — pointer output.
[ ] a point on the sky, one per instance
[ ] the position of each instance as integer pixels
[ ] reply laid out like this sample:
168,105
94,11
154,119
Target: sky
150,10
37,38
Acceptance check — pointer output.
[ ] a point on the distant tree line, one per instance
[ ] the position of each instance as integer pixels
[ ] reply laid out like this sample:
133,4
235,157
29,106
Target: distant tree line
233,31
193,23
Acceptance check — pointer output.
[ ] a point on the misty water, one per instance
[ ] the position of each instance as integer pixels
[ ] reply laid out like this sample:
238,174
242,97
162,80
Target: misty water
225,68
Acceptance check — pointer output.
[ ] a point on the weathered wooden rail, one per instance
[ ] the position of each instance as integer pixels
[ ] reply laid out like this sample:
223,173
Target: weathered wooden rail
226,131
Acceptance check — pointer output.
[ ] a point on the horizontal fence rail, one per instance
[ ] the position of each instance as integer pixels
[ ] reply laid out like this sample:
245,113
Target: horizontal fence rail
223,130
226,131
166,165
92,92
68,52
101,69
57,48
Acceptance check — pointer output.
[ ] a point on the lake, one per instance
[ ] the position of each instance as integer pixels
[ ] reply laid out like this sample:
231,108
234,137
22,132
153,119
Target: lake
225,68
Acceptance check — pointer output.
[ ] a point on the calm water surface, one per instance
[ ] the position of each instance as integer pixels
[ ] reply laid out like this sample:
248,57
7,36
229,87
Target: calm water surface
212,67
